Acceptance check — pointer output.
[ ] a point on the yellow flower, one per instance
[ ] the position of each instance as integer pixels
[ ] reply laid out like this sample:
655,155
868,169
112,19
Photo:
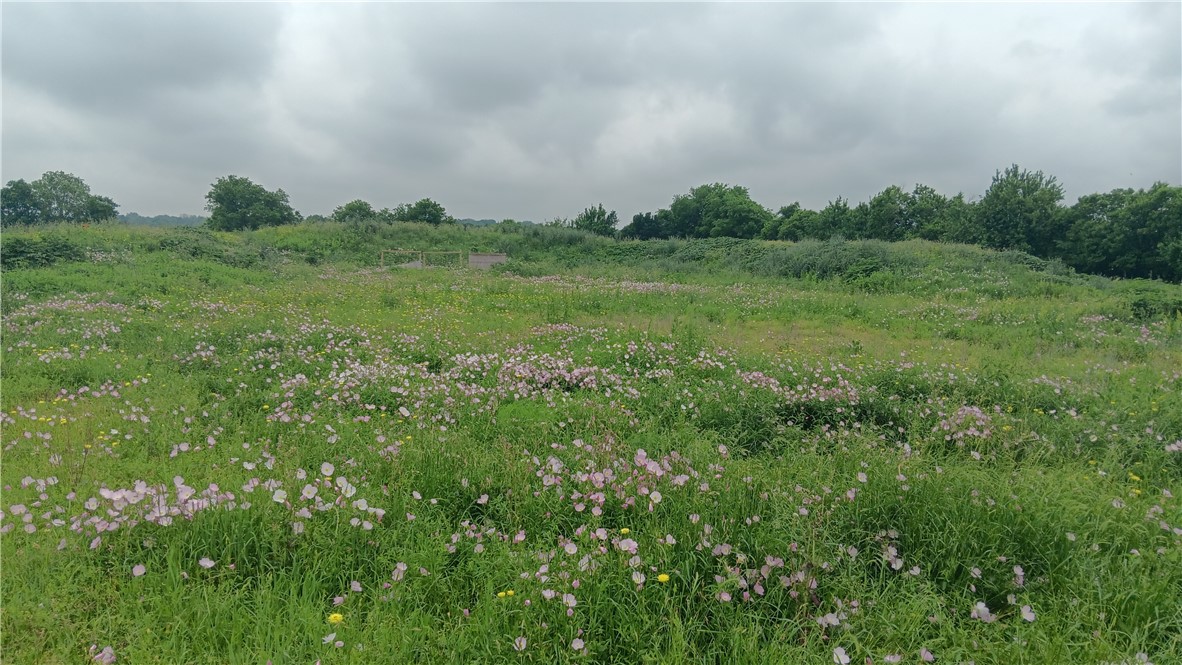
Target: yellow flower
1134,477
509,592
500,594
625,531
335,618
662,578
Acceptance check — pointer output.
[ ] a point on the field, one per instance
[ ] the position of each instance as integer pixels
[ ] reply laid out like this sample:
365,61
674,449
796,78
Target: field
261,448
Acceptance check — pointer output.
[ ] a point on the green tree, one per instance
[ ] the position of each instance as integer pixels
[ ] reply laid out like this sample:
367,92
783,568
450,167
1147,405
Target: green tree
925,210
803,223
597,220
835,219
960,222
101,208
884,217
1126,233
645,226
771,229
235,204
18,204
716,210
63,197
354,211
56,196
1021,211
423,210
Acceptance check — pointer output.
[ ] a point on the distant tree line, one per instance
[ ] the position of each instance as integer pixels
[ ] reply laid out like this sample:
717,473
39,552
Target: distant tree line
55,197
1123,233
161,220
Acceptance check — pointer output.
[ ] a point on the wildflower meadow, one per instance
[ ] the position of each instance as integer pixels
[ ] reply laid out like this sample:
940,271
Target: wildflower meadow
611,453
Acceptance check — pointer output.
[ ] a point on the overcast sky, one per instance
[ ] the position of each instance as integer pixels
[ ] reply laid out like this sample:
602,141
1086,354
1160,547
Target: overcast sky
533,111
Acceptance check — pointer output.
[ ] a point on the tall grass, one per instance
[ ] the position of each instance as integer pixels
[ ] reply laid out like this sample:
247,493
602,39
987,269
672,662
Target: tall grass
674,451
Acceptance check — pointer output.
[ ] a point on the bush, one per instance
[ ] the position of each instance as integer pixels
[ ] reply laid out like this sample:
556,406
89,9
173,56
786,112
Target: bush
36,251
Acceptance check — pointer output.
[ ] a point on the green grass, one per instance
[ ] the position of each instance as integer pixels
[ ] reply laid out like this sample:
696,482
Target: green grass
866,439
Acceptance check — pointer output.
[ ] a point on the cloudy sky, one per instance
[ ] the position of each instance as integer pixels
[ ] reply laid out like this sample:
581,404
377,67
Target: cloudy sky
533,111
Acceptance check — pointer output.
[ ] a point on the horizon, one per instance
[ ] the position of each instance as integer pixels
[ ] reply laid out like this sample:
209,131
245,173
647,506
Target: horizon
539,111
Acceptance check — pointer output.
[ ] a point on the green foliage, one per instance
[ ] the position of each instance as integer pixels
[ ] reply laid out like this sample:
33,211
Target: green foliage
423,210
998,426
1020,210
37,250
62,197
162,220
1127,233
885,217
596,220
18,204
236,203
645,226
707,211
56,196
354,211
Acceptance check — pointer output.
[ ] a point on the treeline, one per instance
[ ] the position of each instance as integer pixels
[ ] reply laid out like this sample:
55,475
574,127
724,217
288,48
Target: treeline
56,196
1124,233
161,220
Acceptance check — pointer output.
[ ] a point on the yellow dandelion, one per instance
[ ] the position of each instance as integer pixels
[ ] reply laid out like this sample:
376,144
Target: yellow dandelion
335,618
663,578
500,594
625,531
509,592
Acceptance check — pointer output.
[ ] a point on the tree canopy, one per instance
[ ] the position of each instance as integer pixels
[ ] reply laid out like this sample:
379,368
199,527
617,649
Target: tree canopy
596,220
423,210
354,211
56,196
235,204
707,211
1020,210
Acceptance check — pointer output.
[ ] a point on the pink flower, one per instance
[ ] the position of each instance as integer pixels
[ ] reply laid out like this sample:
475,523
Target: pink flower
1027,613
327,469
577,644
569,600
519,644
206,562
106,656
355,586
138,570
628,545
840,657
399,572
926,655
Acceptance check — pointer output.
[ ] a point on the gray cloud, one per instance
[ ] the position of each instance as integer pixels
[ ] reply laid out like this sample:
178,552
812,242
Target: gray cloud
538,110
